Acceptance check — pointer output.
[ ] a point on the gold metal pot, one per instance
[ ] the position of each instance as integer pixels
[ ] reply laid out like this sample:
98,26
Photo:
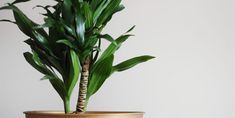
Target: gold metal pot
98,114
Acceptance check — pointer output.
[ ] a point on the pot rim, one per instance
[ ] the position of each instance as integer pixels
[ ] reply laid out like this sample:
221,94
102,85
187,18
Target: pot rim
90,113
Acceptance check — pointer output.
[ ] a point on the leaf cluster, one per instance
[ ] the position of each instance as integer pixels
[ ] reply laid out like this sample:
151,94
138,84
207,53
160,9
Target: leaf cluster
74,34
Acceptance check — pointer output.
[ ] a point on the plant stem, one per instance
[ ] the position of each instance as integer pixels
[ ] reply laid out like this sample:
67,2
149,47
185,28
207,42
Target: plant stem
81,103
66,106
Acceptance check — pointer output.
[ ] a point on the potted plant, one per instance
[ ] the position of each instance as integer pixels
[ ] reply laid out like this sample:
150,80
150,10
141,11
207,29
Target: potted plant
70,50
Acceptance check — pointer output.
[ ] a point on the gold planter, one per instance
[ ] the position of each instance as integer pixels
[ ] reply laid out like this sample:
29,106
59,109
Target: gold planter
50,114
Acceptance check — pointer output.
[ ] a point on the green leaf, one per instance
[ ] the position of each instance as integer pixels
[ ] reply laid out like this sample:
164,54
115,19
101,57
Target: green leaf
108,12
67,12
47,77
54,80
88,15
41,39
5,8
99,74
108,38
131,63
117,9
100,9
27,27
97,51
37,60
71,30
90,42
6,20
114,46
19,1
67,43
95,3
59,86
40,56
48,23
49,19
130,29
23,22
74,72
29,58
29,41
46,8
80,27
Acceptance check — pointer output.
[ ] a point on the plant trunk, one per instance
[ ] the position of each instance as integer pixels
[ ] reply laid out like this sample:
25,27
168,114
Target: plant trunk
81,103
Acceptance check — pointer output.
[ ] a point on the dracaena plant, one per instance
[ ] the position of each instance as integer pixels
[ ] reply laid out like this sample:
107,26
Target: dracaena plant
66,47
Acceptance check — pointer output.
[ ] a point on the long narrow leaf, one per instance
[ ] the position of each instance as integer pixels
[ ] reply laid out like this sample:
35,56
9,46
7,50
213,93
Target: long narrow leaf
130,29
117,9
19,1
58,85
131,63
108,38
29,58
99,75
94,4
97,51
67,11
88,15
26,26
47,77
80,27
100,9
67,43
23,22
37,60
113,47
5,8
45,57
56,82
74,71
6,20
108,12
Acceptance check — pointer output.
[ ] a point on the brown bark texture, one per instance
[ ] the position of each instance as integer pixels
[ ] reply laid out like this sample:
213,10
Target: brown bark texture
81,103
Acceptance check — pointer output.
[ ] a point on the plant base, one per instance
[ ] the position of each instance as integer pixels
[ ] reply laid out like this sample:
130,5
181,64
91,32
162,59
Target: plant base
98,114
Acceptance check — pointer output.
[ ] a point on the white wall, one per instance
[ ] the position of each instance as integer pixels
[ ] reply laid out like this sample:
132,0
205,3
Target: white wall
192,77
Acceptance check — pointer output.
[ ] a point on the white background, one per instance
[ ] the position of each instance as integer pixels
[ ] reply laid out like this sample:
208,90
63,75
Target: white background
193,75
